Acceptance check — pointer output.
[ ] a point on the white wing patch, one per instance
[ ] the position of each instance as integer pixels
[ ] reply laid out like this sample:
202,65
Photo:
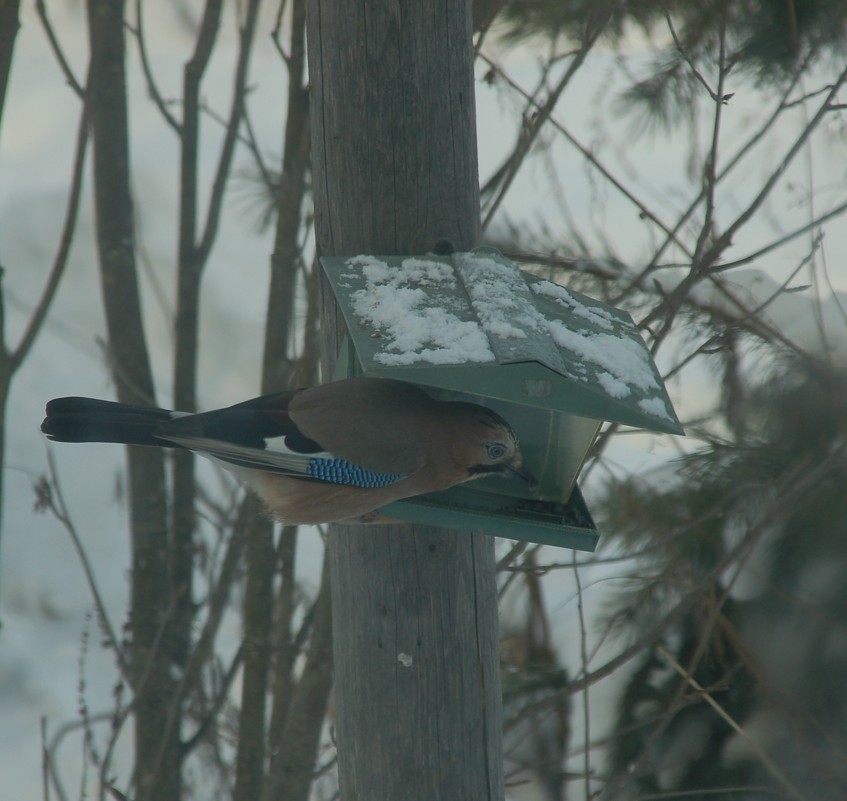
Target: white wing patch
276,459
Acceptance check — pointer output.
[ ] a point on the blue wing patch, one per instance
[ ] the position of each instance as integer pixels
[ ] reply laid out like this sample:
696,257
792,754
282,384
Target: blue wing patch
340,471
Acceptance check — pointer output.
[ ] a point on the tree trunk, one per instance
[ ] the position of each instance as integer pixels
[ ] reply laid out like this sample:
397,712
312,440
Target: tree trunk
258,604
277,362
414,609
158,756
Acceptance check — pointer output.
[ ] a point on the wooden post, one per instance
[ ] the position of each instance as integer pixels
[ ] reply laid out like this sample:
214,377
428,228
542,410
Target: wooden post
414,609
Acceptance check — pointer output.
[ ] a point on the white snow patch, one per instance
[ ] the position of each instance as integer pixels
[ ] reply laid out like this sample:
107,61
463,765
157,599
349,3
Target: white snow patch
624,358
395,304
600,317
655,407
497,295
613,386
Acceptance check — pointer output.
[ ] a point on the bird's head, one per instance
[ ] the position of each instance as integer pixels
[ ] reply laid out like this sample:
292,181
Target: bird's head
486,444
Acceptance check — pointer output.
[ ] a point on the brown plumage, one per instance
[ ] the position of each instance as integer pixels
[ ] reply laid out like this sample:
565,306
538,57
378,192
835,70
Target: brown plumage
334,452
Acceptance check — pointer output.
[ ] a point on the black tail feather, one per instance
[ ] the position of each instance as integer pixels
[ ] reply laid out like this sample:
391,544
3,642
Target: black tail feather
90,420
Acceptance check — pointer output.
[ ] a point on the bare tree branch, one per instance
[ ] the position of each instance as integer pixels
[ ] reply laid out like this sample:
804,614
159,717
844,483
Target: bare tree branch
58,50
50,497
61,259
534,124
643,210
746,149
761,754
228,148
152,85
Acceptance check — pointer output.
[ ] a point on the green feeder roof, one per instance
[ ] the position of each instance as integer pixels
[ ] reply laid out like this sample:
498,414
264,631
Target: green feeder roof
455,322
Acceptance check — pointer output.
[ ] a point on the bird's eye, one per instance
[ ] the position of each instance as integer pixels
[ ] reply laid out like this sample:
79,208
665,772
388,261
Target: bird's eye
496,450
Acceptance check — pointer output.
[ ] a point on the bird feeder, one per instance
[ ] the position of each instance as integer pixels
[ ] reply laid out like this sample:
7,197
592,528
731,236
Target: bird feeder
554,363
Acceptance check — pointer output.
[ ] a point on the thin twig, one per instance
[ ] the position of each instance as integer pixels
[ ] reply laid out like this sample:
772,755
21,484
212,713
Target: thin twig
514,552
56,741
249,140
219,595
749,319
705,250
777,243
716,96
528,561
227,150
766,761
57,49
119,718
45,760
219,701
252,142
643,210
531,130
710,256
795,486
54,501
795,148
275,32
731,164
61,259
710,168
152,86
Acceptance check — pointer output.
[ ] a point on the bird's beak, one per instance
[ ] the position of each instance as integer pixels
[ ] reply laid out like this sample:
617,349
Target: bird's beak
522,473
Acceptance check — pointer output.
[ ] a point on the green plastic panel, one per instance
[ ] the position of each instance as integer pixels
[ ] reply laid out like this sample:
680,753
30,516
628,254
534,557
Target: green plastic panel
474,323
562,525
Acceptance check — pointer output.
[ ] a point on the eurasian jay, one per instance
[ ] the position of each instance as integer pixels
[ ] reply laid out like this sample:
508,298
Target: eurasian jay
334,452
